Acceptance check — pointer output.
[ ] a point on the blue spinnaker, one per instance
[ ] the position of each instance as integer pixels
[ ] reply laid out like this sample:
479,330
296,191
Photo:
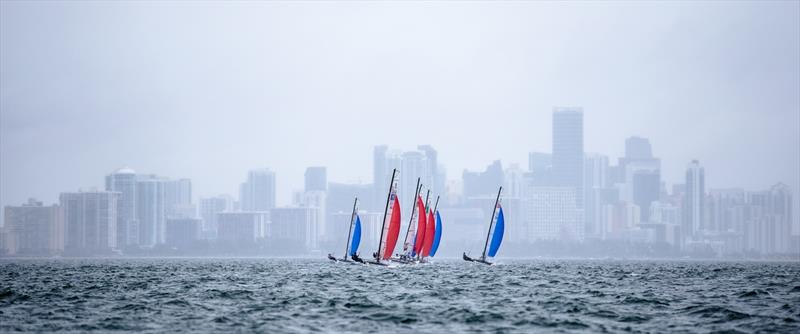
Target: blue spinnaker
356,237
497,236
438,235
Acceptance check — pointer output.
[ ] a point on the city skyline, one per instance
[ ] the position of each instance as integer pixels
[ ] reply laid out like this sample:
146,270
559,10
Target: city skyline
197,197
716,82
400,166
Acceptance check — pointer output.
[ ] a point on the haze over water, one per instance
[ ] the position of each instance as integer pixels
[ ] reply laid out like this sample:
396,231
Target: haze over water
213,295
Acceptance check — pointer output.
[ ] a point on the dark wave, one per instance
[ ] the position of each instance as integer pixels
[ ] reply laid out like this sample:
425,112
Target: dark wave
220,295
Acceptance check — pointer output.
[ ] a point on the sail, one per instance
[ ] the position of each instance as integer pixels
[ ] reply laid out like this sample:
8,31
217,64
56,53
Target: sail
438,235
356,237
420,235
430,231
408,245
392,232
497,236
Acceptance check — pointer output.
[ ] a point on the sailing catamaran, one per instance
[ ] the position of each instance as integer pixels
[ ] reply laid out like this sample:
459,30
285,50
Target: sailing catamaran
422,227
391,227
351,248
430,232
497,235
411,231
438,234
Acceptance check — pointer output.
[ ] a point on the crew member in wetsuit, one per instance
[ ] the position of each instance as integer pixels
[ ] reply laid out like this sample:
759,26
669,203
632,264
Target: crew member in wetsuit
330,257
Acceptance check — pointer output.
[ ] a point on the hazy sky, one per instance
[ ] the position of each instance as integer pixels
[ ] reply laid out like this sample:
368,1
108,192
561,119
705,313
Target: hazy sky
209,90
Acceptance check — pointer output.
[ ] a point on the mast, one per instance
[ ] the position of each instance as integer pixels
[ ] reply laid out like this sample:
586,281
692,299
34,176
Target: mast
411,218
491,222
427,197
350,231
435,206
386,209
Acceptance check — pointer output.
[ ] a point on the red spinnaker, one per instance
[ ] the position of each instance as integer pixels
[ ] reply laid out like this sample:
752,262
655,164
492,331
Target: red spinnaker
420,227
430,233
394,230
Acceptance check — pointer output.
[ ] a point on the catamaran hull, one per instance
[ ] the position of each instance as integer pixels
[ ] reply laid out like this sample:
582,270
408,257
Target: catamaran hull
469,259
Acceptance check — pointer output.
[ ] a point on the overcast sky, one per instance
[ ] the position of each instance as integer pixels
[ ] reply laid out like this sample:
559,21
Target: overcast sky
209,90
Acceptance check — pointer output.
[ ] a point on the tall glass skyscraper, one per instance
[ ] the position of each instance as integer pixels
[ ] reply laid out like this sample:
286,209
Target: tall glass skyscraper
694,199
258,192
123,181
568,150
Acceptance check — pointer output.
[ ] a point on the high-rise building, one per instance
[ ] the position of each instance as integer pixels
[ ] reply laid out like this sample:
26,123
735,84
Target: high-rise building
209,208
421,163
296,226
619,219
151,209
370,230
514,180
341,195
595,181
436,177
90,221
412,167
539,162
317,200
182,232
316,179
568,150
258,192
34,229
694,200
769,224
646,188
242,227
380,179
638,148
123,181
178,199
551,213
478,184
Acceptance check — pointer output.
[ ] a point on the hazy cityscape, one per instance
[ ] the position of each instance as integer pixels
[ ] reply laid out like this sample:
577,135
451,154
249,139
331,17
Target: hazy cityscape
564,203
272,166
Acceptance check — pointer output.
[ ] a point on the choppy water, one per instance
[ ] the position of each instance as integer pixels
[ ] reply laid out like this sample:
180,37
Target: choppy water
216,295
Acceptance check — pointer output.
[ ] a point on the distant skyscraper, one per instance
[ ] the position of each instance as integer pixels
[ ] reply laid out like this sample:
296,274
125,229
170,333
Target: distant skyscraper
694,200
209,208
34,229
436,177
412,167
316,179
317,200
568,149
539,162
421,163
768,230
595,181
90,221
242,227
477,184
151,209
380,181
646,188
258,192
295,226
123,181
178,199
550,213
638,148
182,232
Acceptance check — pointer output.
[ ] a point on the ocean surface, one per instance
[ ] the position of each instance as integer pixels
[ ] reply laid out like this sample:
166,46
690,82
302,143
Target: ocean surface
295,295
